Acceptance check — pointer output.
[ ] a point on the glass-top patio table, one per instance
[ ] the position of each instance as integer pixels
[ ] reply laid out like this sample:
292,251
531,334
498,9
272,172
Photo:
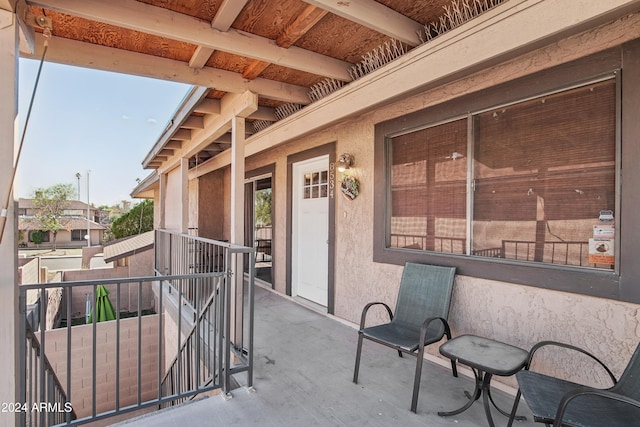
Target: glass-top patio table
486,358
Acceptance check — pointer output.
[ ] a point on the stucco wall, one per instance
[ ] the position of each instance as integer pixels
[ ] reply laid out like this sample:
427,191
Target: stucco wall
517,314
63,240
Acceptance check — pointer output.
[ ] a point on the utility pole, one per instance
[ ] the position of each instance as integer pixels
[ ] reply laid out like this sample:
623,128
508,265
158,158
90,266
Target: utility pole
78,178
88,214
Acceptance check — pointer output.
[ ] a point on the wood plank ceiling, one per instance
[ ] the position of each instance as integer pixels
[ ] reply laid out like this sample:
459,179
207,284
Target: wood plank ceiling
277,49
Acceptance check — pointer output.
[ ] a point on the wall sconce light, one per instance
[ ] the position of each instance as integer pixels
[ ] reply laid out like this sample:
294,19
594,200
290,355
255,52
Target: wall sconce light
345,161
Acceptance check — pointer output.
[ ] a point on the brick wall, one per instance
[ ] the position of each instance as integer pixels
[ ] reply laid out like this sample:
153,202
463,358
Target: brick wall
81,363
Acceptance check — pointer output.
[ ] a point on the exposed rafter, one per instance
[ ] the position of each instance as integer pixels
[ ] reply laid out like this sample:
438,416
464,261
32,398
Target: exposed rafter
87,55
376,16
161,22
303,23
232,105
228,12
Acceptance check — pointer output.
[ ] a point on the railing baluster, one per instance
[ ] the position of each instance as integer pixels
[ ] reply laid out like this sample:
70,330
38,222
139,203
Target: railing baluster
200,365
118,309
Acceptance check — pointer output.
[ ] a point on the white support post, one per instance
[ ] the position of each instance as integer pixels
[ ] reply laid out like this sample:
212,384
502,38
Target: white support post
237,220
162,201
184,195
9,333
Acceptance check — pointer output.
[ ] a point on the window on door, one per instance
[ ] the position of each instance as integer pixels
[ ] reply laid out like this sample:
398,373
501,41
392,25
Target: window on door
316,185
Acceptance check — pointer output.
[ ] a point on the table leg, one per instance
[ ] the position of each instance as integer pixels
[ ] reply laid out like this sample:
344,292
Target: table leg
472,396
486,388
485,399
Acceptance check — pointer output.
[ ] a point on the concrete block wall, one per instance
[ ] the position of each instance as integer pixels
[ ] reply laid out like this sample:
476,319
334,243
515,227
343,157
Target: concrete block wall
128,291
29,270
82,363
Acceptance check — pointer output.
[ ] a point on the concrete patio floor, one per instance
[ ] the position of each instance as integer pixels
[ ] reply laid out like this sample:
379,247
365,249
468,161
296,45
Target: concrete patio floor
303,368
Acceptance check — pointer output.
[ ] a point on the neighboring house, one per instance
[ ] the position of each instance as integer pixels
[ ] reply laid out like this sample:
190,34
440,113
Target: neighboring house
133,252
74,221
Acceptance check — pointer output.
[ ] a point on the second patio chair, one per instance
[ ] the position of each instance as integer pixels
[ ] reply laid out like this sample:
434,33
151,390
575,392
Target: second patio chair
420,318
563,403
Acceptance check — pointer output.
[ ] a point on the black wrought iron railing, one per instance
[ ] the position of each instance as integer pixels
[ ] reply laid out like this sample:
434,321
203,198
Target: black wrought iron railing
173,336
45,401
222,310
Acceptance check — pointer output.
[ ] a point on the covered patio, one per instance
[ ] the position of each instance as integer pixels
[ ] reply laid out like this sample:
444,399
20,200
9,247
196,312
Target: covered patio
428,108
303,377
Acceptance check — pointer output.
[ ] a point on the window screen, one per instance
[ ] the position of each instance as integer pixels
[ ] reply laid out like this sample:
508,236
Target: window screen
428,187
543,171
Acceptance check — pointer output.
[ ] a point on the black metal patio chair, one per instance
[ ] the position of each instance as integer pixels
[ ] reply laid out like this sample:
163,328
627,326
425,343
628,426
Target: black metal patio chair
564,403
420,317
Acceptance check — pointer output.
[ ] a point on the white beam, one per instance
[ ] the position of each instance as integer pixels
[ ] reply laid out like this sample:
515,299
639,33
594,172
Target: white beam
237,219
87,55
376,16
200,57
184,195
161,22
9,315
232,105
237,180
227,13
194,97
264,113
162,218
193,122
208,106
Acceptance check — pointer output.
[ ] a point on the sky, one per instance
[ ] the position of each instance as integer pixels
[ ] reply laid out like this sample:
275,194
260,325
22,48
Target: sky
87,120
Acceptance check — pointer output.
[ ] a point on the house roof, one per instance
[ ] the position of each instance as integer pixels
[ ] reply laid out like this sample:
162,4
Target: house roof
24,203
128,246
31,224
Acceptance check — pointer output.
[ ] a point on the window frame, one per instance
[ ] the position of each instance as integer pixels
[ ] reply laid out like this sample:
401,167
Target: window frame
613,284
83,233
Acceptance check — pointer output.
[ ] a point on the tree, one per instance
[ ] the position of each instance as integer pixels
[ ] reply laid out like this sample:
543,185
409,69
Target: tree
138,220
50,204
263,207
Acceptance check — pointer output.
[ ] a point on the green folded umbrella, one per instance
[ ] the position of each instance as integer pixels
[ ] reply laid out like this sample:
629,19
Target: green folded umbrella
103,308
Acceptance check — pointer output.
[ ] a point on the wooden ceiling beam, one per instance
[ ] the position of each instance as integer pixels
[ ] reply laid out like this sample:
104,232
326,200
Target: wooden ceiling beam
193,122
87,55
200,57
226,15
232,105
254,69
174,143
264,113
294,31
182,135
208,106
376,16
161,22
309,17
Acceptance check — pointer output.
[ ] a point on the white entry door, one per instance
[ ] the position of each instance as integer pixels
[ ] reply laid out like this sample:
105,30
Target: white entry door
309,272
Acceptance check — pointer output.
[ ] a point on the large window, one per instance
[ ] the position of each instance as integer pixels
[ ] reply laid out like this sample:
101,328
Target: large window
78,235
532,181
